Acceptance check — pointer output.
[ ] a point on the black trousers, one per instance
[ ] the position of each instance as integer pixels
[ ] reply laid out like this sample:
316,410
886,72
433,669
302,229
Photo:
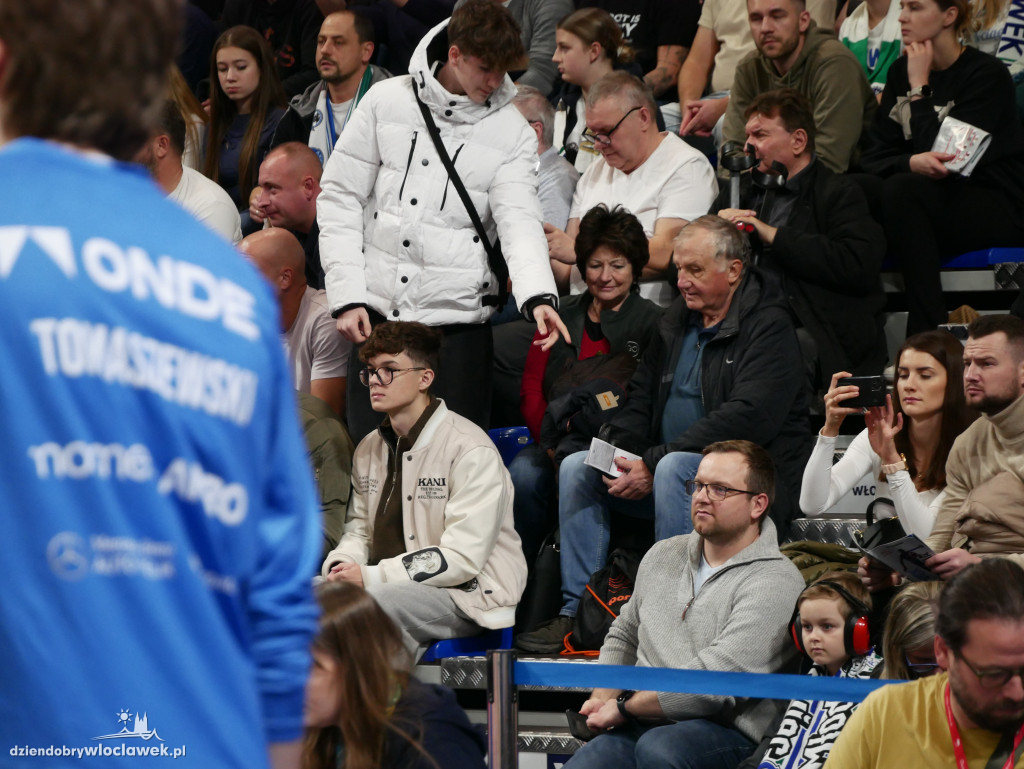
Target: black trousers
463,380
928,221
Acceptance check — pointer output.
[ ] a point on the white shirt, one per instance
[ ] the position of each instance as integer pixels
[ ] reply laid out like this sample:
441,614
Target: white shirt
675,182
824,483
314,347
209,203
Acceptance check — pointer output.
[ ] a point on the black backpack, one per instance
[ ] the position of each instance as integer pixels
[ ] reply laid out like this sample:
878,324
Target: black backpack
606,593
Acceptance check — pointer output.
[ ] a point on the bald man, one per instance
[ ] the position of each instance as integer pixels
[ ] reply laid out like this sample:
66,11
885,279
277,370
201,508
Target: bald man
286,197
318,354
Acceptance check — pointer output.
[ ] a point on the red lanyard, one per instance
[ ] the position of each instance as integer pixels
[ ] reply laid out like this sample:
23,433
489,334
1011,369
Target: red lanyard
958,745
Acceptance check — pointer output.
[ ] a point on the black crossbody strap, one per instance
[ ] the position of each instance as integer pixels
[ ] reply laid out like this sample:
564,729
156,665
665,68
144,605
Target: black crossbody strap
495,258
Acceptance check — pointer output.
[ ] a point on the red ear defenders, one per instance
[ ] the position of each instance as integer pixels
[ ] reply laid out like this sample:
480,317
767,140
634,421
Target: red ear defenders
856,634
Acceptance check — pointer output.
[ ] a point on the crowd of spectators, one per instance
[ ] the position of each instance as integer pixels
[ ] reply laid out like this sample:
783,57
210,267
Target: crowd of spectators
535,209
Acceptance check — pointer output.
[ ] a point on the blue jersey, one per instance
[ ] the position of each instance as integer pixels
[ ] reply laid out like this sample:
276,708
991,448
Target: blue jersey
158,527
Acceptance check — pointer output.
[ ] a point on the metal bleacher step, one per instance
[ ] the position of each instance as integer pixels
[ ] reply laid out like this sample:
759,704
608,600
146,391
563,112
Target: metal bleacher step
471,672
553,740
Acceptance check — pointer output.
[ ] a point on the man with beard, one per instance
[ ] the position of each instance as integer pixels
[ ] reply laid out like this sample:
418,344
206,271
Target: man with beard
318,115
718,598
202,197
983,511
971,715
793,52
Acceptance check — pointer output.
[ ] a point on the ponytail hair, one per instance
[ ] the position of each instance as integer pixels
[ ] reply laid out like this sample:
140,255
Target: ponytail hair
595,25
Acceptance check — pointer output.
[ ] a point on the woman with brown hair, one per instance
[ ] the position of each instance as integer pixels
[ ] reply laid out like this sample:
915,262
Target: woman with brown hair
905,445
244,111
363,708
588,45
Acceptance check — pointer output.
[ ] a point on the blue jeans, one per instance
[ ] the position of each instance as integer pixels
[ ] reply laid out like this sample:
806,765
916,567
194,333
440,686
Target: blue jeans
584,515
692,744
533,506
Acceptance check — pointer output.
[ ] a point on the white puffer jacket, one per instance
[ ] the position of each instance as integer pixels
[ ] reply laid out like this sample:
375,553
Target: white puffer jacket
394,234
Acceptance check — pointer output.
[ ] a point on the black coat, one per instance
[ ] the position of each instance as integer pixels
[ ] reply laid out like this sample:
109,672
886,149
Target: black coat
752,386
828,257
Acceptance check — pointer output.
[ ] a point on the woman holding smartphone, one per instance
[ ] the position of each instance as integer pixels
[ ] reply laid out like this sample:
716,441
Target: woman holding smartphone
905,446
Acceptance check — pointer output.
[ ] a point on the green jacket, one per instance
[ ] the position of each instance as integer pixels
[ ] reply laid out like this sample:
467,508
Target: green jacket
829,75
330,455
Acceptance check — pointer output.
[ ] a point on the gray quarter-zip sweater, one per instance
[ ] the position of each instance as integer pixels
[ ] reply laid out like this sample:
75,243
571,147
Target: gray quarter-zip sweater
738,622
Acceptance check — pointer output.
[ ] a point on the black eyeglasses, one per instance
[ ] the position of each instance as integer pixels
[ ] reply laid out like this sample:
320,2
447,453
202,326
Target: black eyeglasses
716,491
920,669
385,375
606,136
994,678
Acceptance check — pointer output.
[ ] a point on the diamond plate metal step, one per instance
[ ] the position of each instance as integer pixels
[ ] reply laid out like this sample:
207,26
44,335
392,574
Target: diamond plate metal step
471,672
547,741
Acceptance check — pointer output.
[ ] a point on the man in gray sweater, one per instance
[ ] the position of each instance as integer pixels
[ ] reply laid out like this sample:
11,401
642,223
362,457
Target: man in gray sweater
719,598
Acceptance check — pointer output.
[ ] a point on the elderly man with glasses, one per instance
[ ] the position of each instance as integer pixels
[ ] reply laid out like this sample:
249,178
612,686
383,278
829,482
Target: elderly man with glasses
973,713
724,364
655,175
429,530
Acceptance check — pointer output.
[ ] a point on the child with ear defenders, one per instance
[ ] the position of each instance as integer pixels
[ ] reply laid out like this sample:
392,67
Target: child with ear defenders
829,625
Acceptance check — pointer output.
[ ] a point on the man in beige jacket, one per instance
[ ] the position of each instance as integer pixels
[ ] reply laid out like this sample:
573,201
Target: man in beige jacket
429,530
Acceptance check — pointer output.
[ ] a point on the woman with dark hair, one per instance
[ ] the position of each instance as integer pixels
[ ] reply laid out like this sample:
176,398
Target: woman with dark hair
588,45
910,463
363,708
609,319
929,212
244,111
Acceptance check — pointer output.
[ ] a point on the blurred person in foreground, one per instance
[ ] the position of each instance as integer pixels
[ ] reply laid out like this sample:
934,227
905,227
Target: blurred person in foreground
158,510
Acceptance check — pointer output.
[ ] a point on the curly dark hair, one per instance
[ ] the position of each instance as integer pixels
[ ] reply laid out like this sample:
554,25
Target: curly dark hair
420,342
618,230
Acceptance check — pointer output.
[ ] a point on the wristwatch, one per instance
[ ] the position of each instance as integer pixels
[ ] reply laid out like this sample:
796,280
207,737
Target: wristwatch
895,467
924,91
621,700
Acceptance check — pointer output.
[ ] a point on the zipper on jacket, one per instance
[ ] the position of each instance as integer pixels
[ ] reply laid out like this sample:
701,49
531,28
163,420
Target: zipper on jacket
714,576
455,159
408,163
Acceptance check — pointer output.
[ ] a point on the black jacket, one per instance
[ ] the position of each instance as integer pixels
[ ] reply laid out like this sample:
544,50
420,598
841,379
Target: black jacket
828,257
752,385
430,714
977,89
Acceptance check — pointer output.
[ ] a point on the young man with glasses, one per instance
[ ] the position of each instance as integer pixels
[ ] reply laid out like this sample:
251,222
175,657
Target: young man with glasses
429,530
719,598
659,178
973,713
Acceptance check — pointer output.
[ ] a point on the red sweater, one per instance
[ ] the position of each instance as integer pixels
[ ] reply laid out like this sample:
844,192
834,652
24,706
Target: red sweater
532,398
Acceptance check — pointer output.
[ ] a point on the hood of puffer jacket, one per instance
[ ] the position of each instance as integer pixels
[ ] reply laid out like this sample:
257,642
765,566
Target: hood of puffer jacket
429,55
